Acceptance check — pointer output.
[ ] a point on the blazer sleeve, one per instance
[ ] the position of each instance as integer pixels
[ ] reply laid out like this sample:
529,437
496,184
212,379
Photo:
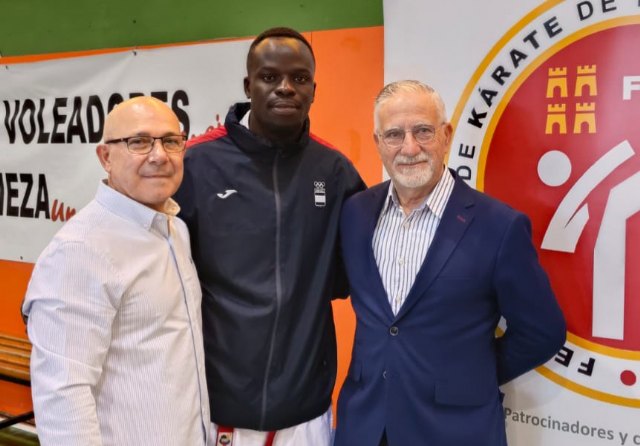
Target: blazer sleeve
536,327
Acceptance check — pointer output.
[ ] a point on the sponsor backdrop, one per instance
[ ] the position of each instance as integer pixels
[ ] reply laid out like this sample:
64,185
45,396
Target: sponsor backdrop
52,111
545,99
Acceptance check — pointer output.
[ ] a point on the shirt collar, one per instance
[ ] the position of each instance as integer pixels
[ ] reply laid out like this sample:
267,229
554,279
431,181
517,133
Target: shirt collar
432,201
135,212
245,119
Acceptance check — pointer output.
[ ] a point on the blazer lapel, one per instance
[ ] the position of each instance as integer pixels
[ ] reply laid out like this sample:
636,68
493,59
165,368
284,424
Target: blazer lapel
378,200
456,218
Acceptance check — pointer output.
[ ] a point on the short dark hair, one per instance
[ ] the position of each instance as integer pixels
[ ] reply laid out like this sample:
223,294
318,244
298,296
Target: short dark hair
280,31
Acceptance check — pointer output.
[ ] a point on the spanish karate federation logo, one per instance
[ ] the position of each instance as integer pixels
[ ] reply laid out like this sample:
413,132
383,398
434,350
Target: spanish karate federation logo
550,123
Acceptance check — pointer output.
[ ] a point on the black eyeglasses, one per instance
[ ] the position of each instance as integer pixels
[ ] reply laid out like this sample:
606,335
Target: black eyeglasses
142,145
423,134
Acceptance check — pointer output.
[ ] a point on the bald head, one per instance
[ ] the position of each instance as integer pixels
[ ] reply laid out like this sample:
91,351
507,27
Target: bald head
139,108
148,178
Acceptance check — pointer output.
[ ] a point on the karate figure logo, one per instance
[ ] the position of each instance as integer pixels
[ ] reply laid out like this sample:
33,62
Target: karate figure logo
569,220
563,146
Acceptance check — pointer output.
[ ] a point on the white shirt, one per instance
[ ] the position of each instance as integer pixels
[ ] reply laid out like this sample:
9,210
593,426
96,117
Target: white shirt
116,327
400,242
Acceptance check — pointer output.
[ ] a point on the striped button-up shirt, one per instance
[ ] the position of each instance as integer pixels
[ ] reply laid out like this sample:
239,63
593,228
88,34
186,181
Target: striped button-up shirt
115,323
401,242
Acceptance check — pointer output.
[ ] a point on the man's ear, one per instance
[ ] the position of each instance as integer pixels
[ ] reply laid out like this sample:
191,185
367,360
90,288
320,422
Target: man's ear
314,92
448,131
103,151
247,92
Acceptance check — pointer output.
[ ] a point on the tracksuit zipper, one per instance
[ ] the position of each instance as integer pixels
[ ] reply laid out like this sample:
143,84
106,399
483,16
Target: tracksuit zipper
276,192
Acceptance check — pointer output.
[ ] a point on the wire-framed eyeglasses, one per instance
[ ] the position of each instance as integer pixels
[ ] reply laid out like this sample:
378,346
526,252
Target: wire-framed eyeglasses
423,134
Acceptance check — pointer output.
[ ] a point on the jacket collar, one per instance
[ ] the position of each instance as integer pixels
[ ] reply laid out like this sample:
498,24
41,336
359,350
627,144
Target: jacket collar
456,219
252,143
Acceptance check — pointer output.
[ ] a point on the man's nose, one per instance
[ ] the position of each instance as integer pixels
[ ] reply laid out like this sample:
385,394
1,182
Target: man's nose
285,86
409,145
158,153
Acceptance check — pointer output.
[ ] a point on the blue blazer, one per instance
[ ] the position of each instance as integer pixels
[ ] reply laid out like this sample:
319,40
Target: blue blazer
429,376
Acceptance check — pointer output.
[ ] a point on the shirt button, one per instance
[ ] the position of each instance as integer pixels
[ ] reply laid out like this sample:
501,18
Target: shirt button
394,331
401,261
384,375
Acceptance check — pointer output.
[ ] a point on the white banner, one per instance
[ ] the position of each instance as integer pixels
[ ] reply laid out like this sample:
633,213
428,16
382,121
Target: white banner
545,100
51,118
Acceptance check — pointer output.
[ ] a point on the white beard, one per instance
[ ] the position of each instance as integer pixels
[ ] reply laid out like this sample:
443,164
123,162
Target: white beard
412,177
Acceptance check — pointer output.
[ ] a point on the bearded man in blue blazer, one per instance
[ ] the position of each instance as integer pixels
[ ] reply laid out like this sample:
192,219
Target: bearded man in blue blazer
433,265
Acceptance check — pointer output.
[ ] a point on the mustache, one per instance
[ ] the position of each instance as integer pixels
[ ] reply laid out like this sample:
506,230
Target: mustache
419,158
